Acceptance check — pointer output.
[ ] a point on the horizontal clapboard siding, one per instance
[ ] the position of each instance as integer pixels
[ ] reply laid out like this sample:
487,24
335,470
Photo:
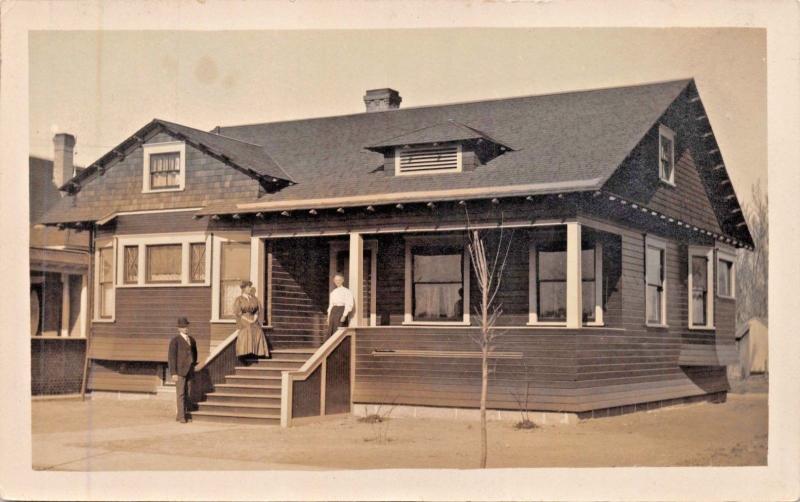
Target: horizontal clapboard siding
146,322
123,377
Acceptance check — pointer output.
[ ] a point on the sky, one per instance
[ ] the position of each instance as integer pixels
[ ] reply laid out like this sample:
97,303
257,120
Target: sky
101,86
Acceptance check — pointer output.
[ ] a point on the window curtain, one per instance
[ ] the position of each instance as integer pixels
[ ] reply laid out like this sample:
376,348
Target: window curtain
438,284
164,263
235,261
699,289
164,170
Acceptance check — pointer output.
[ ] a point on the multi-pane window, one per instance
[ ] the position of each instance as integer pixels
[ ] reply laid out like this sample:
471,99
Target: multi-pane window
699,301
234,268
655,280
165,170
131,264
438,283
666,155
163,263
197,262
551,278
105,282
701,287
725,278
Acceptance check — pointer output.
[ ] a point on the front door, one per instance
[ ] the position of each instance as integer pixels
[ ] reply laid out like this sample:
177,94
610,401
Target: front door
340,263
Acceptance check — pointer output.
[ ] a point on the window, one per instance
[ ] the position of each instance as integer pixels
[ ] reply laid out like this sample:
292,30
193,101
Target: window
666,155
549,277
164,167
197,262
655,281
131,273
428,159
165,170
164,263
701,313
726,285
438,283
105,280
234,268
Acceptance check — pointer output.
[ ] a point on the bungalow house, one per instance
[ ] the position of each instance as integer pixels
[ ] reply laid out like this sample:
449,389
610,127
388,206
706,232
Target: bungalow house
617,294
59,262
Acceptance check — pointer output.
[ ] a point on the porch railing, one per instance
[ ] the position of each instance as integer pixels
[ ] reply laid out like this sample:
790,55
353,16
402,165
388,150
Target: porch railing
324,384
222,361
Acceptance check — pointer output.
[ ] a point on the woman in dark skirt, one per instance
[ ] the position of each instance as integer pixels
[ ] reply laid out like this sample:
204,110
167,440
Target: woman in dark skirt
250,340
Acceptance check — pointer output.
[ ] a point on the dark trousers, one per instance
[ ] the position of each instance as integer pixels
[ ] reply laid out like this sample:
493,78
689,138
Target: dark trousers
182,395
335,320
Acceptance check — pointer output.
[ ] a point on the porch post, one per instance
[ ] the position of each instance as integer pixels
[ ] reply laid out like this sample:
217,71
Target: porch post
574,275
84,305
65,304
257,273
356,279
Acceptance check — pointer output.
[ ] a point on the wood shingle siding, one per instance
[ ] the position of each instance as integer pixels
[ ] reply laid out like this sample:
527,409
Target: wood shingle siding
182,221
146,322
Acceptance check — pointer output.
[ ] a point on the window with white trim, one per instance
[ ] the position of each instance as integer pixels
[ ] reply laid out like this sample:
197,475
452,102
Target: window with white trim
175,260
104,281
666,154
164,167
411,160
655,281
701,287
234,268
726,274
548,277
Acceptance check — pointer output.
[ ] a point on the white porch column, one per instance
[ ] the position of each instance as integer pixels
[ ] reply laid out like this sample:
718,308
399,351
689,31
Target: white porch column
257,274
84,305
574,275
64,304
356,279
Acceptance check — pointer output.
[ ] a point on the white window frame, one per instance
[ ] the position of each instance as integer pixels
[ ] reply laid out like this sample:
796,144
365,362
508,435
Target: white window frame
664,131
533,310
410,242
216,266
149,149
651,241
729,255
708,254
400,150
104,244
142,241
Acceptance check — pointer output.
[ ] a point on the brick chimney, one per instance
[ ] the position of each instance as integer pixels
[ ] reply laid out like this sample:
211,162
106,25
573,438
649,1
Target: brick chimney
378,100
63,156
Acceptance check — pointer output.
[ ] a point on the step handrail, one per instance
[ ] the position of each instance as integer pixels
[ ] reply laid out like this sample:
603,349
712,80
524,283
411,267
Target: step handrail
218,350
288,377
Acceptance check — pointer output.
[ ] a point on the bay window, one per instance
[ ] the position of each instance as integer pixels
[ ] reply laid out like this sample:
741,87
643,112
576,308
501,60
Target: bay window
106,283
655,281
701,288
178,260
197,262
726,277
131,264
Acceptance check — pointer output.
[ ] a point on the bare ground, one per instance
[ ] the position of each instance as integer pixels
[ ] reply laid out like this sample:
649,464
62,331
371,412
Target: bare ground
106,434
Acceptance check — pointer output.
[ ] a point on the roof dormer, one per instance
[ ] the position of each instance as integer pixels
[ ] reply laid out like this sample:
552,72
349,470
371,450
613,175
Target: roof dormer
447,147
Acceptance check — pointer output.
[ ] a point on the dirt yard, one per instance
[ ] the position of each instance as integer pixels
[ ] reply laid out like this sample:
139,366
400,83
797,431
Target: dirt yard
106,434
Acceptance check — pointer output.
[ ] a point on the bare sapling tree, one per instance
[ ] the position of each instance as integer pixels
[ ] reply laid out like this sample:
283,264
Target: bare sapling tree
488,265
752,266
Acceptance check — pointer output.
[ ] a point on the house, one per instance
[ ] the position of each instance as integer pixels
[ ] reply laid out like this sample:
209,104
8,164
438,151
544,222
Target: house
752,347
617,295
59,262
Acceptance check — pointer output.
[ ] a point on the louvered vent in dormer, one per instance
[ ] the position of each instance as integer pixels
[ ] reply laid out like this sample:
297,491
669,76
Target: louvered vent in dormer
428,159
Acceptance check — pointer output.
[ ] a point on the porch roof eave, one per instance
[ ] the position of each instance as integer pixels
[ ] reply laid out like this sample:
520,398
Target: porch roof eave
392,198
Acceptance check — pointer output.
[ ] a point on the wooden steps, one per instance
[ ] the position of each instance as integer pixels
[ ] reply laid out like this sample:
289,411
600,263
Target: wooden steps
252,394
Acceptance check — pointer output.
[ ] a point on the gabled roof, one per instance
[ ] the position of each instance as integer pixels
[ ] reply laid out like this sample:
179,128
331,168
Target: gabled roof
443,132
248,157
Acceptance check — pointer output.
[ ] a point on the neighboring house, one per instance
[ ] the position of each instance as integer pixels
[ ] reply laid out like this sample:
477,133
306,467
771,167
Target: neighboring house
752,346
617,294
59,262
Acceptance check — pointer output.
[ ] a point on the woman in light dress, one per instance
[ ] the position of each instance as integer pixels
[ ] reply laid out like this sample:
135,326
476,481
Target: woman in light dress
250,341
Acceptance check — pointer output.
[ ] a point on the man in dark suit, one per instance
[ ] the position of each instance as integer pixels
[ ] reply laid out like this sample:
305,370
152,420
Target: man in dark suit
182,358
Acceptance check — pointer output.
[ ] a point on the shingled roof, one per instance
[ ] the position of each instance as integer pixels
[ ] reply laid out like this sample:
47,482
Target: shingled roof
438,133
563,142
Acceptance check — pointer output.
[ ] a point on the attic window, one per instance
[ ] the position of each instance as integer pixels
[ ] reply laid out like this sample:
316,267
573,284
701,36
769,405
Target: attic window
666,154
164,167
428,159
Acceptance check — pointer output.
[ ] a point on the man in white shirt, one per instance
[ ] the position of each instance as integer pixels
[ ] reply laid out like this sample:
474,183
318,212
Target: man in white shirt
340,305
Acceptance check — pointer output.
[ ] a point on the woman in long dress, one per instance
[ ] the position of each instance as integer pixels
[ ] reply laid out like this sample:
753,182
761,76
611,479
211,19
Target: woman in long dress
250,340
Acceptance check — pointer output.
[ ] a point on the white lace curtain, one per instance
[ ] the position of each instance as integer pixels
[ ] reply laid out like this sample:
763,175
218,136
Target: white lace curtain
438,281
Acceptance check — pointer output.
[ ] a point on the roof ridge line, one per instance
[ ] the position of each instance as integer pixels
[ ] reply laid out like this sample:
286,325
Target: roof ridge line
167,123
466,102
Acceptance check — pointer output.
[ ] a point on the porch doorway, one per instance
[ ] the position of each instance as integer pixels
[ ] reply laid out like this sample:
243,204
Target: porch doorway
340,263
